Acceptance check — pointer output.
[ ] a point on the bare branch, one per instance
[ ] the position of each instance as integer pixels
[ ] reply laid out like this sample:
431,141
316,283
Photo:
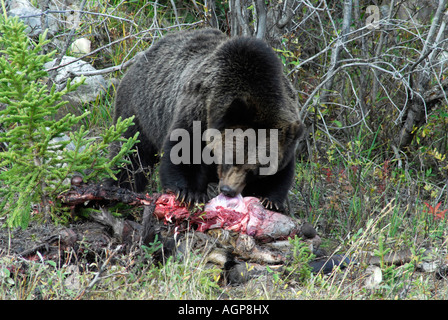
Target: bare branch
99,14
417,112
245,31
123,39
347,18
175,12
68,41
355,63
262,16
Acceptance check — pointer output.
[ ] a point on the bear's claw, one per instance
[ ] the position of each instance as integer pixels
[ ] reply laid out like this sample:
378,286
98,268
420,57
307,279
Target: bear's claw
272,205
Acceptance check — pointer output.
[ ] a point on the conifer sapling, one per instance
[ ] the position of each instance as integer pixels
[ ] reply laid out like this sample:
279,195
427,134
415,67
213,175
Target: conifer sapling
33,164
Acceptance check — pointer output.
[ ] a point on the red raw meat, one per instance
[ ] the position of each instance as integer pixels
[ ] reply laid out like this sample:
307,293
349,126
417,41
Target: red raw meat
245,215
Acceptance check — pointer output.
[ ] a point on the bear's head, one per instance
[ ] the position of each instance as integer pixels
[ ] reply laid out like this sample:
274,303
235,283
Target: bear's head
244,155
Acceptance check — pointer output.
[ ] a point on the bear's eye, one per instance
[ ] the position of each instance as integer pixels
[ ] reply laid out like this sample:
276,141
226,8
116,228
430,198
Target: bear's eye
225,167
253,173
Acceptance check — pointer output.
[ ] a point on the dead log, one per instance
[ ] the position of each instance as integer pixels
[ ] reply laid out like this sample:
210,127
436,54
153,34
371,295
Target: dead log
85,194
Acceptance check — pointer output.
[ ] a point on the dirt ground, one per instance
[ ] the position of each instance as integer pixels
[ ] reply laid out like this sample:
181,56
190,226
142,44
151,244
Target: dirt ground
88,237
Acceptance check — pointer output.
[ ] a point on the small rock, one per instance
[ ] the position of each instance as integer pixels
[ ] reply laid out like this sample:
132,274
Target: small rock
72,280
235,272
374,279
308,230
31,16
428,266
93,85
76,180
81,46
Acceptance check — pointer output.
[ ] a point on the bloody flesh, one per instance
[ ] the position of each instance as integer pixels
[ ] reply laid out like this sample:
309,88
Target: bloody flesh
244,215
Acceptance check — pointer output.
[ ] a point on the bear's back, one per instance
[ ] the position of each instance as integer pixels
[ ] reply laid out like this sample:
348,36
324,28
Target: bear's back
152,85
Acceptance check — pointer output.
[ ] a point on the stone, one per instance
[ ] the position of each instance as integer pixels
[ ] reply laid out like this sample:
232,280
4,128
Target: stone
32,17
81,46
93,86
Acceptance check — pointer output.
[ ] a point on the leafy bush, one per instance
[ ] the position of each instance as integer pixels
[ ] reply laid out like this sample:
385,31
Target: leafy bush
35,160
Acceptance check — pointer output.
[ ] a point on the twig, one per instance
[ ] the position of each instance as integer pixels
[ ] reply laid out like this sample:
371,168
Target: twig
98,274
46,12
356,62
67,44
45,244
379,48
120,40
119,67
175,12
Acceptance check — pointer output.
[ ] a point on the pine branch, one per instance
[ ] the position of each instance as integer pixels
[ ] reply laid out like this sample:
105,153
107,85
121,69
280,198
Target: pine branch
35,164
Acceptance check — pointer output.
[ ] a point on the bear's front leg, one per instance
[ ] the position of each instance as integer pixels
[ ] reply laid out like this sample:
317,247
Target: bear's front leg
273,189
187,181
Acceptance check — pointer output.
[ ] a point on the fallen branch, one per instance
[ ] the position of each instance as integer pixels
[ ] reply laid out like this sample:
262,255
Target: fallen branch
99,193
241,225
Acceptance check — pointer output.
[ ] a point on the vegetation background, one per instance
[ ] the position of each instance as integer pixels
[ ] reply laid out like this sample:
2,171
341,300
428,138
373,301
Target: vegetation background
372,172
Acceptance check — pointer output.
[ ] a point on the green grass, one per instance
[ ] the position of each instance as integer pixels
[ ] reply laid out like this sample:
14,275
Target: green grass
133,276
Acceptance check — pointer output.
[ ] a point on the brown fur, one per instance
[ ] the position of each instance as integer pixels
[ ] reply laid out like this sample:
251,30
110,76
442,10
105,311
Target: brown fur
223,83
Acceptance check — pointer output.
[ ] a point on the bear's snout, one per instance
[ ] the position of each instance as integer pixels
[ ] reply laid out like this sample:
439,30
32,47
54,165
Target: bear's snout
228,191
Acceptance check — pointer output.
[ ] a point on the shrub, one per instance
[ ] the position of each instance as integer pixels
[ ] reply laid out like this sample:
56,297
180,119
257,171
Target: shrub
35,161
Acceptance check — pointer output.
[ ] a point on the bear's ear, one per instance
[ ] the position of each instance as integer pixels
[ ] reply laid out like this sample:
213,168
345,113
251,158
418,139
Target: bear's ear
293,131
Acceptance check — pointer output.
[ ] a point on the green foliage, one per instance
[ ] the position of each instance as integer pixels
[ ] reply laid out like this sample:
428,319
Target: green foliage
396,279
301,255
36,160
152,247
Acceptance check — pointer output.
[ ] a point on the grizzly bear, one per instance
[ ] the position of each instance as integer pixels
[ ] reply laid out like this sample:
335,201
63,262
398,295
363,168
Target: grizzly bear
193,81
